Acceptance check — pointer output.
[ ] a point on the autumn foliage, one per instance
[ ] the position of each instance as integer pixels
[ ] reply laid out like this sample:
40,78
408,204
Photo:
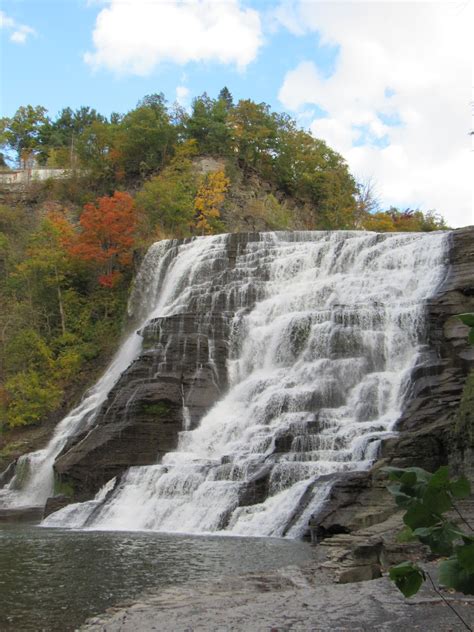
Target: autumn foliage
209,199
107,236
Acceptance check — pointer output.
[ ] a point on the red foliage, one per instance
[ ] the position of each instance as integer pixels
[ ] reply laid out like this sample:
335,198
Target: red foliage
107,237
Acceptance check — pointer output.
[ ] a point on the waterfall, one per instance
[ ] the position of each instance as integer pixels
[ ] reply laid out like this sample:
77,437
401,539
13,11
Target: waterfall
324,331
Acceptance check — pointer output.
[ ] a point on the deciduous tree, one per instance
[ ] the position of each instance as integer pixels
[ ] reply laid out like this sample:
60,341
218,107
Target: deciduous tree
209,199
107,236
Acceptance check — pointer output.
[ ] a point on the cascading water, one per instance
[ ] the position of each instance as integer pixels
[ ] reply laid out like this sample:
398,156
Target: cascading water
325,329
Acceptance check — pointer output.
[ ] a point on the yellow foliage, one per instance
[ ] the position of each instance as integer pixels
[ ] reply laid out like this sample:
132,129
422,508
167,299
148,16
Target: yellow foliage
379,222
209,199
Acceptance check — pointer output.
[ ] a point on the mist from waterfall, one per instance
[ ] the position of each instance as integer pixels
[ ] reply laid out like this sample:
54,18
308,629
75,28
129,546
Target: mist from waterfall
326,328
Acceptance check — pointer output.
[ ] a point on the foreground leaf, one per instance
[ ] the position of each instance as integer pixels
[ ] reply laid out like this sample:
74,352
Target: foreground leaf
408,578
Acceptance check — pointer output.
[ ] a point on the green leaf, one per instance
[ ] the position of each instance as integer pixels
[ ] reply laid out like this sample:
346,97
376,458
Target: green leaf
404,475
423,532
394,473
470,337
420,516
465,555
408,577
453,575
439,538
461,488
437,500
440,479
408,479
467,319
402,500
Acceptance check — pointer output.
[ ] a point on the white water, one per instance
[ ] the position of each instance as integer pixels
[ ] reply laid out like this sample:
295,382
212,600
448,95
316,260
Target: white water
318,370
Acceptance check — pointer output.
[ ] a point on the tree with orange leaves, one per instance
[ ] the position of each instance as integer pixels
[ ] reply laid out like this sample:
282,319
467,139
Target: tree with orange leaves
107,237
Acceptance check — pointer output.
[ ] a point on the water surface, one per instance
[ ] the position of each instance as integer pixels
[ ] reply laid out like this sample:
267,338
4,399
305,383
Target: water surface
52,580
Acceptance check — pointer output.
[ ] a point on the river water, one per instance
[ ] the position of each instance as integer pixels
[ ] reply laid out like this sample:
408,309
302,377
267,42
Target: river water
52,579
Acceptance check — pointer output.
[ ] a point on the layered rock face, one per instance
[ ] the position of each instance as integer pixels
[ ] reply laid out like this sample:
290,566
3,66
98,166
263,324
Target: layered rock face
430,432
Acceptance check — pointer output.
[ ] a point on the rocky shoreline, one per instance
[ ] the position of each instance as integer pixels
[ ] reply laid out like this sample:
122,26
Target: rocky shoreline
297,599
343,587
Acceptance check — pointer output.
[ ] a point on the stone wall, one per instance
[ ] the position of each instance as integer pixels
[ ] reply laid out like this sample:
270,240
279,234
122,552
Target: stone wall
23,177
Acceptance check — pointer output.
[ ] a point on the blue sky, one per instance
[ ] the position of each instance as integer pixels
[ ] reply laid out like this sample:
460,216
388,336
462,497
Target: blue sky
386,84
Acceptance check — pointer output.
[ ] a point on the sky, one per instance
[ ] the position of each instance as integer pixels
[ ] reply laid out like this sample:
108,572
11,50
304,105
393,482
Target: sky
387,84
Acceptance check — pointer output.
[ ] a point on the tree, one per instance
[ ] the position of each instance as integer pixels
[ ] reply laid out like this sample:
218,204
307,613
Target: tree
209,199
409,220
226,97
167,200
44,272
145,137
253,133
58,138
208,125
22,132
107,236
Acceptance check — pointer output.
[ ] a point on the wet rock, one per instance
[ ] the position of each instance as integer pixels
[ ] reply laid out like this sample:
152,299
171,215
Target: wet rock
256,488
21,514
55,503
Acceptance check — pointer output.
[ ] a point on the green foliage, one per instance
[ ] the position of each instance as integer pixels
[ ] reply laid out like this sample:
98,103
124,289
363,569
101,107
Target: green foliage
32,396
276,216
55,319
63,488
408,577
157,409
426,497
468,319
207,125
167,200
21,132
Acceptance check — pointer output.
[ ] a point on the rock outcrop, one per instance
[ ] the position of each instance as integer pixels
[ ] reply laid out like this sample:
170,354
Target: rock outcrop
158,396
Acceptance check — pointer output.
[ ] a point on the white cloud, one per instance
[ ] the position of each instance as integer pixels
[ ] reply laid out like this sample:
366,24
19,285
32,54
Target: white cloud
5,21
182,95
409,61
134,37
19,32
